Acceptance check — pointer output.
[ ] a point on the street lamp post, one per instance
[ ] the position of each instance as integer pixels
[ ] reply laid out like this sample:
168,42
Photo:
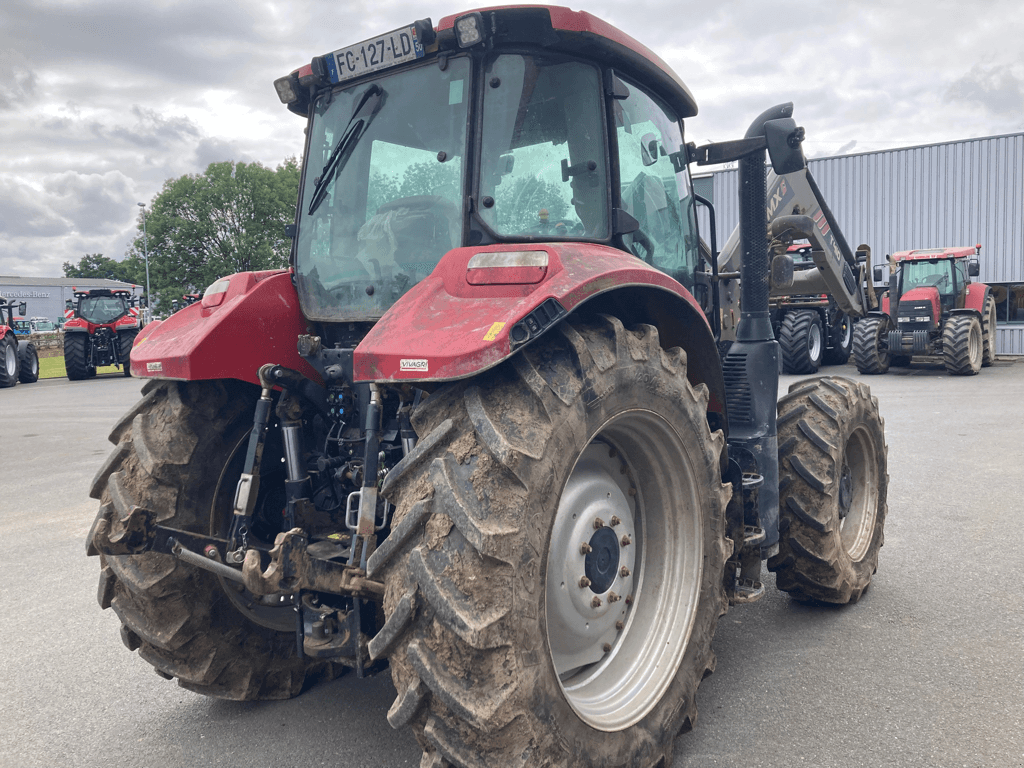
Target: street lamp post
145,250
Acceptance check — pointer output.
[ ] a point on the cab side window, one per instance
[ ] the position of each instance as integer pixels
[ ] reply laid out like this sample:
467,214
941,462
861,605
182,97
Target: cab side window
655,184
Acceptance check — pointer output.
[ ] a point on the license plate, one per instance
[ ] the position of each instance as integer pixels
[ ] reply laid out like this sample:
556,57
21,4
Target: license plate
383,52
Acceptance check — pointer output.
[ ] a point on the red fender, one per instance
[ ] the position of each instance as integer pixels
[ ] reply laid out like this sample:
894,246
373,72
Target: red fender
227,335
976,295
447,328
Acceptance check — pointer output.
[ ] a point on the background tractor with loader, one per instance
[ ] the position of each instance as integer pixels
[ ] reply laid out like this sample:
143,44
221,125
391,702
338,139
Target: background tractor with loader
509,464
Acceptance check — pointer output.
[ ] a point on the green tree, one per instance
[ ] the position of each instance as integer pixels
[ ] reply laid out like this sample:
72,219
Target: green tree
228,219
96,265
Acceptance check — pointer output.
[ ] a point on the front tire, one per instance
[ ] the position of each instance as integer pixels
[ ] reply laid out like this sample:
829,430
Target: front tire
28,363
833,483
962,346
75,356
841,342
509,642
125,341
8,361
988,332
802,341
870,346
174,456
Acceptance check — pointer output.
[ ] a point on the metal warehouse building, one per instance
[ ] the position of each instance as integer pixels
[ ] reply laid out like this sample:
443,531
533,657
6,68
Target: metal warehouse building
959,193
45,296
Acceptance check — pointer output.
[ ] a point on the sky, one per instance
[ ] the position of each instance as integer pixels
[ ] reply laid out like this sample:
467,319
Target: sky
102,101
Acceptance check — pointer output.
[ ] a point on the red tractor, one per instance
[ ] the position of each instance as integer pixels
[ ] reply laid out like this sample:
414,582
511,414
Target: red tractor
100,329
932,307
19,360
503,459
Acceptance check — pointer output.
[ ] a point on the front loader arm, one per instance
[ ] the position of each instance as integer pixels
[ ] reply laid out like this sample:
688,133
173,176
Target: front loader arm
797,209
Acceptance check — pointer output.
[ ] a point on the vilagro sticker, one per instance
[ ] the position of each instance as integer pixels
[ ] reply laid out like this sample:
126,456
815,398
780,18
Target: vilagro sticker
417,365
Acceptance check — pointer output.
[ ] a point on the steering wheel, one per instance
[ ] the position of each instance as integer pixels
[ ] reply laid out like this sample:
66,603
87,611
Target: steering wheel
641,239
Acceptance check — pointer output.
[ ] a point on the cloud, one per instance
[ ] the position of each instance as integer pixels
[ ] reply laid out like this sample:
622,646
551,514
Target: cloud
17,80
24,212
996,87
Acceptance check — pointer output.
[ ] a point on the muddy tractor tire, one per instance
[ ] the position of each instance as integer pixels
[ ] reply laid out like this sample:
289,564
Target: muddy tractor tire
8,361
840,342
870,346
125,340
179,453
988,332
802,342
554,575
962,346
833,482
75,358
28,362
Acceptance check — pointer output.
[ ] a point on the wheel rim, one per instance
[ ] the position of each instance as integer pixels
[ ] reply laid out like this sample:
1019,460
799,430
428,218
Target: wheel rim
858,494
10,361
814,341
846,334
615,659
974,343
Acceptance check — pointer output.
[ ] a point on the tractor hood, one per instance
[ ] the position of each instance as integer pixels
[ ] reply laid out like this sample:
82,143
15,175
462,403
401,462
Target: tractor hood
919,304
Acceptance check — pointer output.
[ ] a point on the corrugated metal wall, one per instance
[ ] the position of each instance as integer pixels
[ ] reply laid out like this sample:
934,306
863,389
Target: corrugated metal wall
960,193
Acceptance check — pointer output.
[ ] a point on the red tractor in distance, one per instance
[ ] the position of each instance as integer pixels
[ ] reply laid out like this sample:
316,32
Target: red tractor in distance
509,464
19,360
932,307
100,329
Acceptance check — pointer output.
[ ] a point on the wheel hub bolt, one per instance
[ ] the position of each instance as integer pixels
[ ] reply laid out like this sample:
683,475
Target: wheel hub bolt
596,602
584,582
613,598
619,625
629,599
607,647
614,521
598,523
624,572
626,541
585,549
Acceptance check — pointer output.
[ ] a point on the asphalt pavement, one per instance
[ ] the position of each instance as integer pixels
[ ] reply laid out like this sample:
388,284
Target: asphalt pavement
926,670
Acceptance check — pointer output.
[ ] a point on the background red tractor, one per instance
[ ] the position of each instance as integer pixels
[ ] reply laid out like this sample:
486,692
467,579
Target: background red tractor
932,307
100,330
19,360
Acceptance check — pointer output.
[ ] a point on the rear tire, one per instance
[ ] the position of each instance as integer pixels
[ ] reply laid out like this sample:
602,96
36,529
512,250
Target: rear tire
962,346
833,483
28,363
870,348
125,340
988,332
484,564
8,361
802,341
840,341
172,457
75,358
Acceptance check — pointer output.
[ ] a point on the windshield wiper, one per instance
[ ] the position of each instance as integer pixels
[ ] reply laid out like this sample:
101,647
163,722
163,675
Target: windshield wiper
369,105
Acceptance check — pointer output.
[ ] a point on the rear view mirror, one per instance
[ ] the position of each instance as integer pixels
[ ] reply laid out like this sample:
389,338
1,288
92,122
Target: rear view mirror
784,138
878,273
973,270
23,308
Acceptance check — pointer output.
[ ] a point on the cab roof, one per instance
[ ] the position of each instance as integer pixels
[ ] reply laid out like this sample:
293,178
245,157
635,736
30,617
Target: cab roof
927,254
560,29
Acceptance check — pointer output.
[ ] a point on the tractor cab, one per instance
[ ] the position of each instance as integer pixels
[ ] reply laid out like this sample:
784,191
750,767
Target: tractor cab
509,126
102,306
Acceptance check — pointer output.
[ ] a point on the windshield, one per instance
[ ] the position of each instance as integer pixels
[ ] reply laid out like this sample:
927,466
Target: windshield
101,309
542,163
389,205
937,273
